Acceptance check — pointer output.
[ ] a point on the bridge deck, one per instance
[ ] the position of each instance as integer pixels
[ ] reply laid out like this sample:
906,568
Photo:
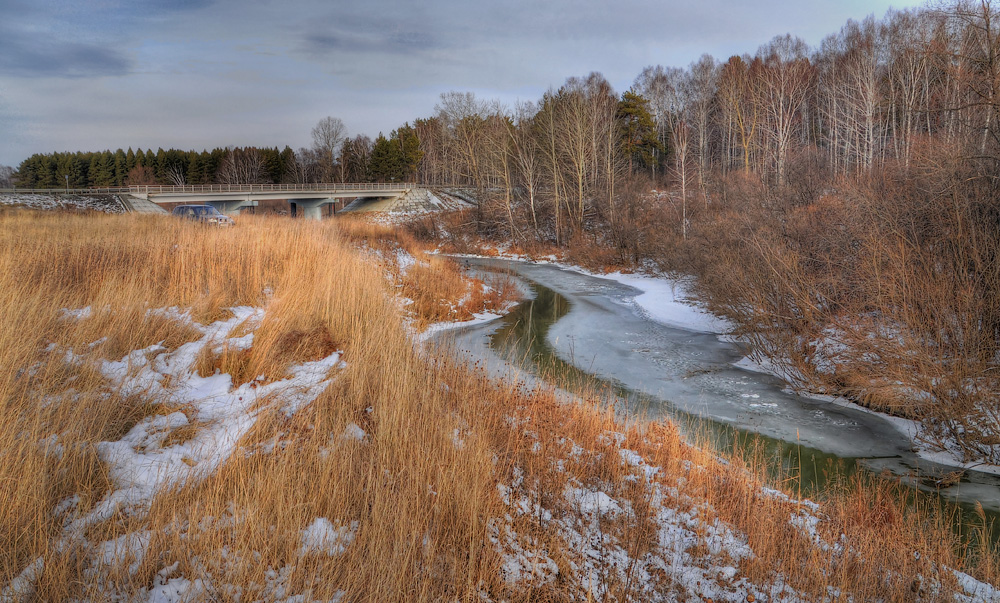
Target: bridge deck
257,192
315,190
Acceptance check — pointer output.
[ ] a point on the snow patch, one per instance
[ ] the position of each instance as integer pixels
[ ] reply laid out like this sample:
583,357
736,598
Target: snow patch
353,432
323,536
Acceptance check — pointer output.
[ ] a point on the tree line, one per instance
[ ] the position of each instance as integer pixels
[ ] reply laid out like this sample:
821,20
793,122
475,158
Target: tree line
333,158
875,93
174,167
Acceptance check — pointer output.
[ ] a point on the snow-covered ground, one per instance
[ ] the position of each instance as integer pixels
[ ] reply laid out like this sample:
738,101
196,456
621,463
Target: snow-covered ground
701,556
104,203
695,553
440,327
146,459
668,301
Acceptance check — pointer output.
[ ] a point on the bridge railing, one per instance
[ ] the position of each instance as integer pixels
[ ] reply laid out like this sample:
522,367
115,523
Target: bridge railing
220,188
72,191
267,188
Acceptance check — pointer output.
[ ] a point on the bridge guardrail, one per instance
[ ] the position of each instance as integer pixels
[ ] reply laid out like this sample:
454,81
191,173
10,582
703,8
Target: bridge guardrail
267,188
221,188
71,191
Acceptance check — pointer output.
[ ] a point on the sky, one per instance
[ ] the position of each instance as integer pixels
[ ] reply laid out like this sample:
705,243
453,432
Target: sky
89,75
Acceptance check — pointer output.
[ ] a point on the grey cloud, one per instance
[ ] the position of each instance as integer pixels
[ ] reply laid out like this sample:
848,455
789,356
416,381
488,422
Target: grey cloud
320,45
170,6
198,64
41,55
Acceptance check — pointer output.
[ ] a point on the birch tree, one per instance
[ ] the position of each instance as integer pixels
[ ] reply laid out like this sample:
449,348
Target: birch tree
786,81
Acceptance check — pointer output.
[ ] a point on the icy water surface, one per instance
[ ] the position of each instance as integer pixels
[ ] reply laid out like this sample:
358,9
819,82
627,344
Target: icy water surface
580,330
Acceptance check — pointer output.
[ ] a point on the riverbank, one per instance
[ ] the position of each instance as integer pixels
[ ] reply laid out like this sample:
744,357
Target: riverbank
673,301
243,414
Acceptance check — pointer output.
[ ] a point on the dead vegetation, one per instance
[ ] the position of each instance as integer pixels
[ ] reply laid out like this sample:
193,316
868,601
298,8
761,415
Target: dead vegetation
442,484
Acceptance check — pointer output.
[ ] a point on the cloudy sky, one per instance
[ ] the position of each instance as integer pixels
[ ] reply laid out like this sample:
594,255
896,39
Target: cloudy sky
194,74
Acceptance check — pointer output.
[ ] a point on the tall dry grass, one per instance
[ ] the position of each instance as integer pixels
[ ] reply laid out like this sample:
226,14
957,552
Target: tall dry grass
422,484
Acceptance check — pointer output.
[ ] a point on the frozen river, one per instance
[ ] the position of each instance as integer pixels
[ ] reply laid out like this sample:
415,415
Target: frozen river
584,330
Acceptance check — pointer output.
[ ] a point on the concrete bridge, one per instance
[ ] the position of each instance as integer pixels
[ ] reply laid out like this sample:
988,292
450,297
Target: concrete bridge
307,200
231,198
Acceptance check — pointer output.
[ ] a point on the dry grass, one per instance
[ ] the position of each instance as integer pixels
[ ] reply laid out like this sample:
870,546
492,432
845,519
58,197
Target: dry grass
422,485
435,288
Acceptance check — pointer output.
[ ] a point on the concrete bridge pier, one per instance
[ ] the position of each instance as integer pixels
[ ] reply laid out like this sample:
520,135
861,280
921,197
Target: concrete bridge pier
311,209
230,207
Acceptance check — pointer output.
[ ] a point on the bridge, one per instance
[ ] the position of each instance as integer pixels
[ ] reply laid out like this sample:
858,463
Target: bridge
231,198
307,199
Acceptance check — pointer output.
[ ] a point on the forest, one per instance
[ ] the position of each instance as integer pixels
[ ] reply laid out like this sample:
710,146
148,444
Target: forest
352,160
839,203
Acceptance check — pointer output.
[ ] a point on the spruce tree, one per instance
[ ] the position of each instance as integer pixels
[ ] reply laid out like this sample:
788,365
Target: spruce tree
120,171
410,152
386,164
638,134
287,165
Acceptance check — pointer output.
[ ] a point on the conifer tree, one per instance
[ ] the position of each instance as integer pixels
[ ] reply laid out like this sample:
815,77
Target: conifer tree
120,171
287,160
101,170
638,131
195,169
386,164
410,152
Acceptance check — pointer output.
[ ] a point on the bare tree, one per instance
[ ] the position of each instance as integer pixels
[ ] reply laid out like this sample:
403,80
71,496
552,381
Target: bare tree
527,155
702,87
304,168
976,64
908,38
463,118
607,163
6,176
140,175
547,126
354,156
787,79
242,166
327,136
176,175
574,142
739,96
677,97
434,167
653,85
498,164
851,83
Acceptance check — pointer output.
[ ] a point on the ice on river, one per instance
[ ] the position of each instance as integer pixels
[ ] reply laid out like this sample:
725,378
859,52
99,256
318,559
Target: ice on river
646,338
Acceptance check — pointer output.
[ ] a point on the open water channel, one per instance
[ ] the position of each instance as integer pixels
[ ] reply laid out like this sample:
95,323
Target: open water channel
577,330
